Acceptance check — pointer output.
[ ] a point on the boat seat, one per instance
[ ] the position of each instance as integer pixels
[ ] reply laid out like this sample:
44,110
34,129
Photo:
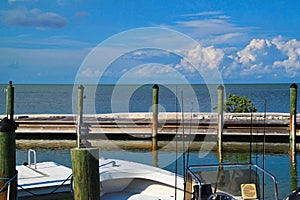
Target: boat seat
249,191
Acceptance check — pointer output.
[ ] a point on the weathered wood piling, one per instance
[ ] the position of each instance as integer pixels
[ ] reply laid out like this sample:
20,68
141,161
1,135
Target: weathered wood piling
85,163
85,170
8,173
293,123
155,89
79,114
10,101
220,121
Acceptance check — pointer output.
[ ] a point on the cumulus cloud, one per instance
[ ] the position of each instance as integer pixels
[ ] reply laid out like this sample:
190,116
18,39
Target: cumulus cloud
291,49
22,17
259,59
201,58
265,58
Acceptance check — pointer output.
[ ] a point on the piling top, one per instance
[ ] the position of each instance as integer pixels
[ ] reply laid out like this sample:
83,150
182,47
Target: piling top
294,85
7,125
80,87
221,87
10,83
155,86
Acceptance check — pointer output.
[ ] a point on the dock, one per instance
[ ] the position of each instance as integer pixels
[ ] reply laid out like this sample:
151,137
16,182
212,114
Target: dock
237,126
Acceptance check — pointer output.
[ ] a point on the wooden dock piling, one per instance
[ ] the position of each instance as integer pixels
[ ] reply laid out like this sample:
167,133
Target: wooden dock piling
79,114
8,178
85,162
155,89
10,101
293,123
85,170
220,120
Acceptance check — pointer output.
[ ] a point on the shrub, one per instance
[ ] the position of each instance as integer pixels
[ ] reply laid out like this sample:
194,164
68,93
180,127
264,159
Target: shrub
237,104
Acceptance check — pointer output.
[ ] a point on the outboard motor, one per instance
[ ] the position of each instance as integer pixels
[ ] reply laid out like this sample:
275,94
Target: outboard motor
294,196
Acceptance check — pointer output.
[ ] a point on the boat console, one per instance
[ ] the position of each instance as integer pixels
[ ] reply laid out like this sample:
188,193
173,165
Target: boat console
229,182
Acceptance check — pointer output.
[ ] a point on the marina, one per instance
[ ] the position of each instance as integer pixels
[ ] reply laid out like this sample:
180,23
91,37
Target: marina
130,179
149,100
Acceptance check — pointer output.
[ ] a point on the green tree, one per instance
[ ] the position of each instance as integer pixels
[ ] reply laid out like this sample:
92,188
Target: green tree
237,104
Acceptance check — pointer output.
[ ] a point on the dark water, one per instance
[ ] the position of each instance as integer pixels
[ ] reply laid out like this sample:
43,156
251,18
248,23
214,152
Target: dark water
58,99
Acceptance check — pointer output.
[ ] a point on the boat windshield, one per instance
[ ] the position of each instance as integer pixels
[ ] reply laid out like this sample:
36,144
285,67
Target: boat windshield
242,180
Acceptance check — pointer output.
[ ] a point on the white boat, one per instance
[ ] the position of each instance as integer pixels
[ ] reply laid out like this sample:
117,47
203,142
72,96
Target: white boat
119,179
44,178
122,180
130,180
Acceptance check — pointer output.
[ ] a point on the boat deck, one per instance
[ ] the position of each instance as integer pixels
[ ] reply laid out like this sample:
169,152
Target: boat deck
43,179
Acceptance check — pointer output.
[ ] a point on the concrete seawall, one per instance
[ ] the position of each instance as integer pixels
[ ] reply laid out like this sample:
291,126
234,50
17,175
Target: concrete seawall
273,127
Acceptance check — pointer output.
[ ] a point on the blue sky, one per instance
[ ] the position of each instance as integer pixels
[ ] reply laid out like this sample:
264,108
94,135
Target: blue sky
56,41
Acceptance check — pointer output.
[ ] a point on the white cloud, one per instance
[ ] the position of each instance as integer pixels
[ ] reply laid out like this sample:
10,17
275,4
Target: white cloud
206,27
147,54
263,58
258,51
22,17
14,1
291,49
153,73
202,58
212,28
90,73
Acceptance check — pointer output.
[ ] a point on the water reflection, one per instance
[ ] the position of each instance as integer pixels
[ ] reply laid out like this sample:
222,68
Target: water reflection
154,152
293,175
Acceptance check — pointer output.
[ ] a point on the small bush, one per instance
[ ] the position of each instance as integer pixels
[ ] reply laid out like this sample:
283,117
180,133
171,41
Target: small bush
237,104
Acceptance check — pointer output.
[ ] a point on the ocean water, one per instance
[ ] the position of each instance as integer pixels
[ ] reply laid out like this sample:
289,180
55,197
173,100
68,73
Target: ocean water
62,99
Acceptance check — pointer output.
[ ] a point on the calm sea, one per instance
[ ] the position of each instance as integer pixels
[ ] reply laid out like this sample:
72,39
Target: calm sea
58,99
